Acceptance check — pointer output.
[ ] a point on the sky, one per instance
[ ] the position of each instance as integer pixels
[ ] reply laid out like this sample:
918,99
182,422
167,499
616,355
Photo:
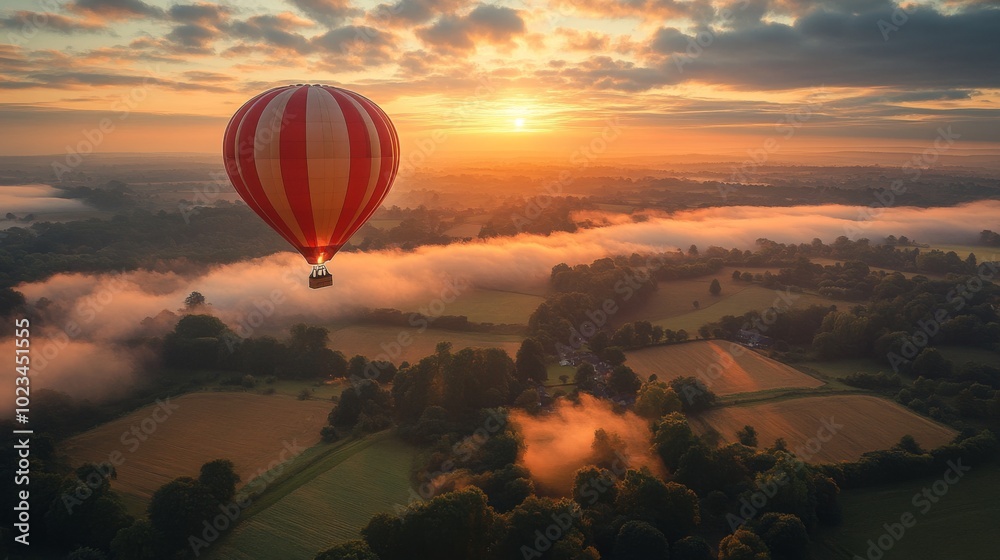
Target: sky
517,77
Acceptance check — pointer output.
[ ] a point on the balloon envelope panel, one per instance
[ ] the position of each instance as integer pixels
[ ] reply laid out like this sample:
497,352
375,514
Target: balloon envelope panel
314,162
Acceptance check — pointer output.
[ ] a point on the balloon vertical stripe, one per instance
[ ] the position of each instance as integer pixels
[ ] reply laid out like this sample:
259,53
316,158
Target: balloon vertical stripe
314,162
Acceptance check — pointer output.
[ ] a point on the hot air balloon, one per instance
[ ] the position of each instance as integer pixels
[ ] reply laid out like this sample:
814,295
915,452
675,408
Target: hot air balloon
314,162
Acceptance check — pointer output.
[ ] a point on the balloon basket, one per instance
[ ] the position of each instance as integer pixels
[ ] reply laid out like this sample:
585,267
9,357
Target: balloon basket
320,277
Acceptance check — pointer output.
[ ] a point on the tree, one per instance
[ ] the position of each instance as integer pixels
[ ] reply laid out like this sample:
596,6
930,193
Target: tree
356,367
747,436
638,540
367,400
606,449
931,364
477,378
262,356
500,450
585,377
670,507
695,395
614,355
137,542
350,550
505,488
86,553
624,381
308,339
624,336
310,356
736,275
220,477
656,399
715,288
909,444
199,326
529,364
194,299
599,342
528,400
743,545
179,509
10,300
657,334
452,525
672,437
784,535
593,485
534,516
691,548
92,521
196,342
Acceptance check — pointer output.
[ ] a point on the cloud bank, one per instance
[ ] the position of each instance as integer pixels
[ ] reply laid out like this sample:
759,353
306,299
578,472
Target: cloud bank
267,295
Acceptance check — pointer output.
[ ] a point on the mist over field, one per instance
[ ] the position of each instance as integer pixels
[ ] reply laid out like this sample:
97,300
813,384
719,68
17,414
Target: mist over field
559,443
35,198
100,312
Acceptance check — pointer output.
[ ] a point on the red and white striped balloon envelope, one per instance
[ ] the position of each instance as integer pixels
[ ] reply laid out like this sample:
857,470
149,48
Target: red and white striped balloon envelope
314,162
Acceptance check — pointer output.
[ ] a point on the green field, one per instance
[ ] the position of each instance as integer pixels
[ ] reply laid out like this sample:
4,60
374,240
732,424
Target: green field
752,298
464,230
676,297
374,341
958,355
982,252
672,306
248,429
555,370
960,526
831,262
327,502
494,306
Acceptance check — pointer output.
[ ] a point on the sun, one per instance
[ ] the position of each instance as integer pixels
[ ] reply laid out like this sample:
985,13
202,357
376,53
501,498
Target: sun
519,123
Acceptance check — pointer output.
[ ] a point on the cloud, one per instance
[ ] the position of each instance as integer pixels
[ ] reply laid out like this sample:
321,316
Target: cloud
27,20
643,9
279,31
194,37
116,9
328,12
358,45
412,12
88,79
576,40
393,278
108,309
832,45
604,72
495,25
200,13
214,77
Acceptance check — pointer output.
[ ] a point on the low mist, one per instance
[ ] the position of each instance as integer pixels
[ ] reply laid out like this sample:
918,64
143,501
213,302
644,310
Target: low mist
559,443
106,310
24,199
